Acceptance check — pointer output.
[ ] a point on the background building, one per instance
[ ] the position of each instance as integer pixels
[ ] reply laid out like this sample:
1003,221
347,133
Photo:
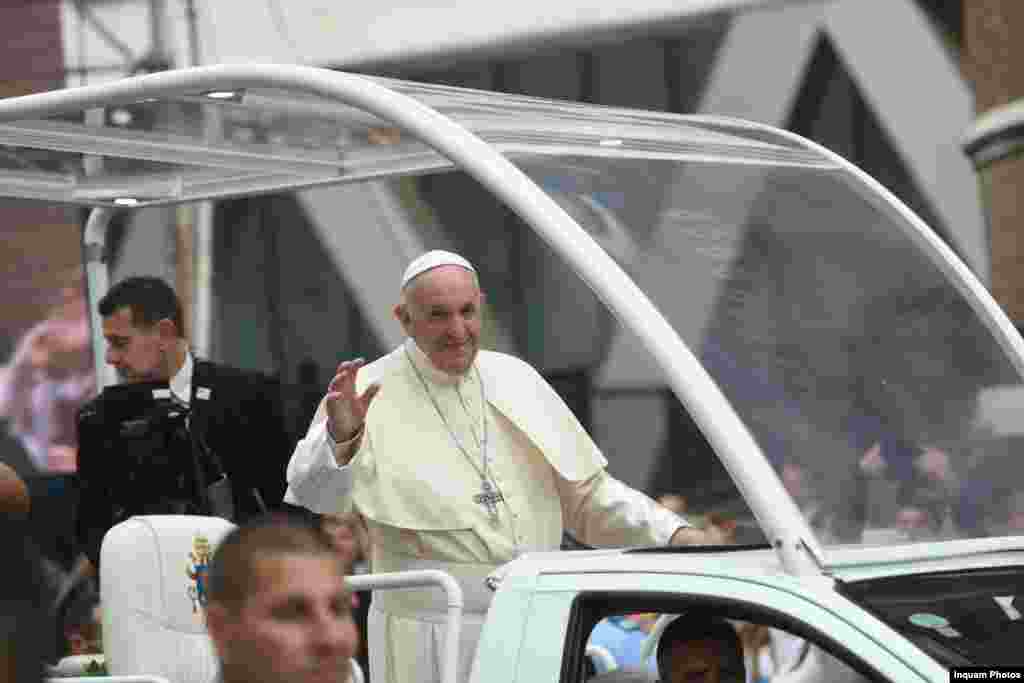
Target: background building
878,81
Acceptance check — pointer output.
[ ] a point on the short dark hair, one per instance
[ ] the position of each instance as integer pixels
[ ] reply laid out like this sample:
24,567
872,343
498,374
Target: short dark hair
150,300
231,572
700,625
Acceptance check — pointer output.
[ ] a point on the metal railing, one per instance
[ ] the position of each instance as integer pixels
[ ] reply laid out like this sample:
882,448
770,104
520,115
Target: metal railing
420,579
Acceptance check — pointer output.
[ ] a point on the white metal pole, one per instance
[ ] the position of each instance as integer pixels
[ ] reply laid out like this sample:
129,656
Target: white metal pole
202,234
202,278
158,39
97,273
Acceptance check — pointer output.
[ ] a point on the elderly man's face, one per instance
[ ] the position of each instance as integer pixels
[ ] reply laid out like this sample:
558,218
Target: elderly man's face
138,353
295,627
444,317
696,661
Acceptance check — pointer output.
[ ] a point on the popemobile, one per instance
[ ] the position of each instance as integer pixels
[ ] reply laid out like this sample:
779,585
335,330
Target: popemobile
856,380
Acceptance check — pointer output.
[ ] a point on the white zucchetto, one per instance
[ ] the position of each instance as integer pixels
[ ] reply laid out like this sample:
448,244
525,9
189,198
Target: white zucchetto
434,259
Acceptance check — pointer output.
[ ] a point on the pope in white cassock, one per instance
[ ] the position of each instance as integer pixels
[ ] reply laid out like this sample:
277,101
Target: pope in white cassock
458,459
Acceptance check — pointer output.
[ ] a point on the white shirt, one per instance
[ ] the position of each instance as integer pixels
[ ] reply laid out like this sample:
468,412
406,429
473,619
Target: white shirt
181,383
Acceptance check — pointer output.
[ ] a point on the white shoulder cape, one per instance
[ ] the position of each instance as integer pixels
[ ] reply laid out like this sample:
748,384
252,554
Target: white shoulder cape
413,477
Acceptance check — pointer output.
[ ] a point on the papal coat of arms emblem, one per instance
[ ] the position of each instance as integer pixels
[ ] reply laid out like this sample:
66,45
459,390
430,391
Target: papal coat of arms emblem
196,569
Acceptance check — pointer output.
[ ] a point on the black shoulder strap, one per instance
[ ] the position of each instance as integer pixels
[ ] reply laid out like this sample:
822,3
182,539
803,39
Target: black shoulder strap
198,415
202,374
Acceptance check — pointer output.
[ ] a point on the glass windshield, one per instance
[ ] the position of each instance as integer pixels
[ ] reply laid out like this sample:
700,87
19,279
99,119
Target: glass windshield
886,405
959,618
213,145
870,384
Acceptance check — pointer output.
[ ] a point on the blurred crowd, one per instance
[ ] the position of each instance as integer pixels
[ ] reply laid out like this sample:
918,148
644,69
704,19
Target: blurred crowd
47,379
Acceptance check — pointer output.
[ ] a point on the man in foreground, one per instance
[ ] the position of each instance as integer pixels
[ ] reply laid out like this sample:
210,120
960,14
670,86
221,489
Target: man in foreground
278,610
466,460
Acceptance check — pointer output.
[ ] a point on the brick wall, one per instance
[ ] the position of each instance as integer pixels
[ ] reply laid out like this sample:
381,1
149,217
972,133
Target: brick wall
40,243
993,54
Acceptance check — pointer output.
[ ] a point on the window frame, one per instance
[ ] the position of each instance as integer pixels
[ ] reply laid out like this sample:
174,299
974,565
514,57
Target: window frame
590,606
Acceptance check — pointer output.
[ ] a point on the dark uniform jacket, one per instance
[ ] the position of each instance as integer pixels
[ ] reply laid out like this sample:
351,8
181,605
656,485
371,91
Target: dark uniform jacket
139,456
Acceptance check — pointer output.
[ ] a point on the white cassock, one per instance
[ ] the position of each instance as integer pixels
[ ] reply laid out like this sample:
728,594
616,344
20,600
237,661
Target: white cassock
417,490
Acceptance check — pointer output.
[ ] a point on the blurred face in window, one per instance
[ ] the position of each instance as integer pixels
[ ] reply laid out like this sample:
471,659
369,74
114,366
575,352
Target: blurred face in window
295,626
699,661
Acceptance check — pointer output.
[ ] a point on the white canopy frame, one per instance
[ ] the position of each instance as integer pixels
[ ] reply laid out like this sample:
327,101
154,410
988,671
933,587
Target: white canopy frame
97,271
732,441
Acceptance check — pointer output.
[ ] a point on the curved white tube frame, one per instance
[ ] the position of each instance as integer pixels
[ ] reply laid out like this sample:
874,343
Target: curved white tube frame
97,273
757,482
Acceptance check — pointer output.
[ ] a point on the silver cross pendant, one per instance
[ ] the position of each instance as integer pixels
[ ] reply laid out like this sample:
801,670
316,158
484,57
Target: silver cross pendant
489,499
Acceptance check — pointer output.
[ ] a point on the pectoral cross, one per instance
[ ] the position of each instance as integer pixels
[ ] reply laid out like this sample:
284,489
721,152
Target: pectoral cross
489,498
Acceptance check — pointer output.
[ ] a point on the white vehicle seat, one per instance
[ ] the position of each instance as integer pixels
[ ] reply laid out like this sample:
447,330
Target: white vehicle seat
152,587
